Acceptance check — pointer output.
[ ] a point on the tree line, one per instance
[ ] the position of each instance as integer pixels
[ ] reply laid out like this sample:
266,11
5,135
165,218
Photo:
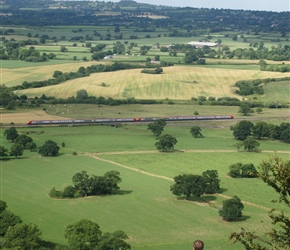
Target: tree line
261,130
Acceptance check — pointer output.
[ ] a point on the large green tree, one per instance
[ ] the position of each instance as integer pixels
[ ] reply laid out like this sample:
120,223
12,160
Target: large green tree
83,235
82,183
3,151
157,126
188,185
250,144
232,209
7,219
16,150
22,236
11,134
275,173
49,148
242,130
24,140
261,130
166,143
113,241
211,181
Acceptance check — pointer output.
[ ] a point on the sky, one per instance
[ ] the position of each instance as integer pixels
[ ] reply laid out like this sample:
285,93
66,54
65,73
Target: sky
268,5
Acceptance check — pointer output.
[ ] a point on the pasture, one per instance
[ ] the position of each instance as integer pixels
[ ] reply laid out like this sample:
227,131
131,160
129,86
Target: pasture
144,208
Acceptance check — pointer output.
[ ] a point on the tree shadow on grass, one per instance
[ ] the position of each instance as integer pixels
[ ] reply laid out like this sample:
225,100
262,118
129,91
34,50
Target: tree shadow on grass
123,192
222,190
202,199
243,218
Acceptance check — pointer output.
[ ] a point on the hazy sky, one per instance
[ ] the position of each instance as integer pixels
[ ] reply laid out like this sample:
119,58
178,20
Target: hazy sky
269,5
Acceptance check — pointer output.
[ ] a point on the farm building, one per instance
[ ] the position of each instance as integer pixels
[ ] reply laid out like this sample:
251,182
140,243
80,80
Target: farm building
202,44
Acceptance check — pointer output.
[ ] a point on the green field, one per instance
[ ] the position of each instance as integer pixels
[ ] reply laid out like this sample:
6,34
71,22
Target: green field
145,209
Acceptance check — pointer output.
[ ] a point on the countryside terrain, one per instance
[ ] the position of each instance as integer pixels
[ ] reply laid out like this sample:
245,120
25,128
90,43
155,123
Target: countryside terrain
144,207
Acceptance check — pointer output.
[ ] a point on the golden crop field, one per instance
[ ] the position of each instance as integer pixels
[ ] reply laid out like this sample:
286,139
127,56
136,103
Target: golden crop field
16,76
176,83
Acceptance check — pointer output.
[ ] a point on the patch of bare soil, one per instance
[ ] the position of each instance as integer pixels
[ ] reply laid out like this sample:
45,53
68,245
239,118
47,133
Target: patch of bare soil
23,118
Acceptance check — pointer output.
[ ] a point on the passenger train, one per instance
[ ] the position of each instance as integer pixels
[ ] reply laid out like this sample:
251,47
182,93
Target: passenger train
124,120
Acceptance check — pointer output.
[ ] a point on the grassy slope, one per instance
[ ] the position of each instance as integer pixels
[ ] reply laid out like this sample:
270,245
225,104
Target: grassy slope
146,211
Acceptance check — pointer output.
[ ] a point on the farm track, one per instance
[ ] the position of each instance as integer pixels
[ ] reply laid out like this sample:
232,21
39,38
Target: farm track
98,157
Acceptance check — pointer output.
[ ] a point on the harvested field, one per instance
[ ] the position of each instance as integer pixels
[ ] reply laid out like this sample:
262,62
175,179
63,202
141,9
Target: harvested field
20,118
176,83
16,76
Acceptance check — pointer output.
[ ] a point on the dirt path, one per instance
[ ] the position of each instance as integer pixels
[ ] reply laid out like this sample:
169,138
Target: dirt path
97,157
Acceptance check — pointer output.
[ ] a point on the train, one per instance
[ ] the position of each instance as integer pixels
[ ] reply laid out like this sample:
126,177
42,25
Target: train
128,120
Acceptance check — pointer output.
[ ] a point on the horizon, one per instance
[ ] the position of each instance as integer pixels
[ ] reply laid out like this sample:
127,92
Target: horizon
266,5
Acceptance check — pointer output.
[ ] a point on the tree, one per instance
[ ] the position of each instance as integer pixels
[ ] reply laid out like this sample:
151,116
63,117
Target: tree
81,183
63,49
157,126
166,143
3,206
245,108
16,150
7,219
11,134
82,94
211,181
196,131
113,241
49,148
261,130
242,130
259,110
23,140
232,209
250,144
188,184
275,173
3,152
83,235
22,236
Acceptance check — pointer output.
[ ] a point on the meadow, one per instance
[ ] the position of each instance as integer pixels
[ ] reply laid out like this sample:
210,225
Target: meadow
144,208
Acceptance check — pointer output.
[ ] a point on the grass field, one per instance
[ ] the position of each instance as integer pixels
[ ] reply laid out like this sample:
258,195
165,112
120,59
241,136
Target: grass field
177,82
153,218
145,209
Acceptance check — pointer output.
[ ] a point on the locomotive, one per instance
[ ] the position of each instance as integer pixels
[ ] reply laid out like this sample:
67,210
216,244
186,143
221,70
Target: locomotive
124,120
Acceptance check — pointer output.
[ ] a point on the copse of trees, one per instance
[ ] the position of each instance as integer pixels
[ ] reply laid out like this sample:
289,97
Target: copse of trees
250,87
240,170
158,70
84,185
194,186
261,130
